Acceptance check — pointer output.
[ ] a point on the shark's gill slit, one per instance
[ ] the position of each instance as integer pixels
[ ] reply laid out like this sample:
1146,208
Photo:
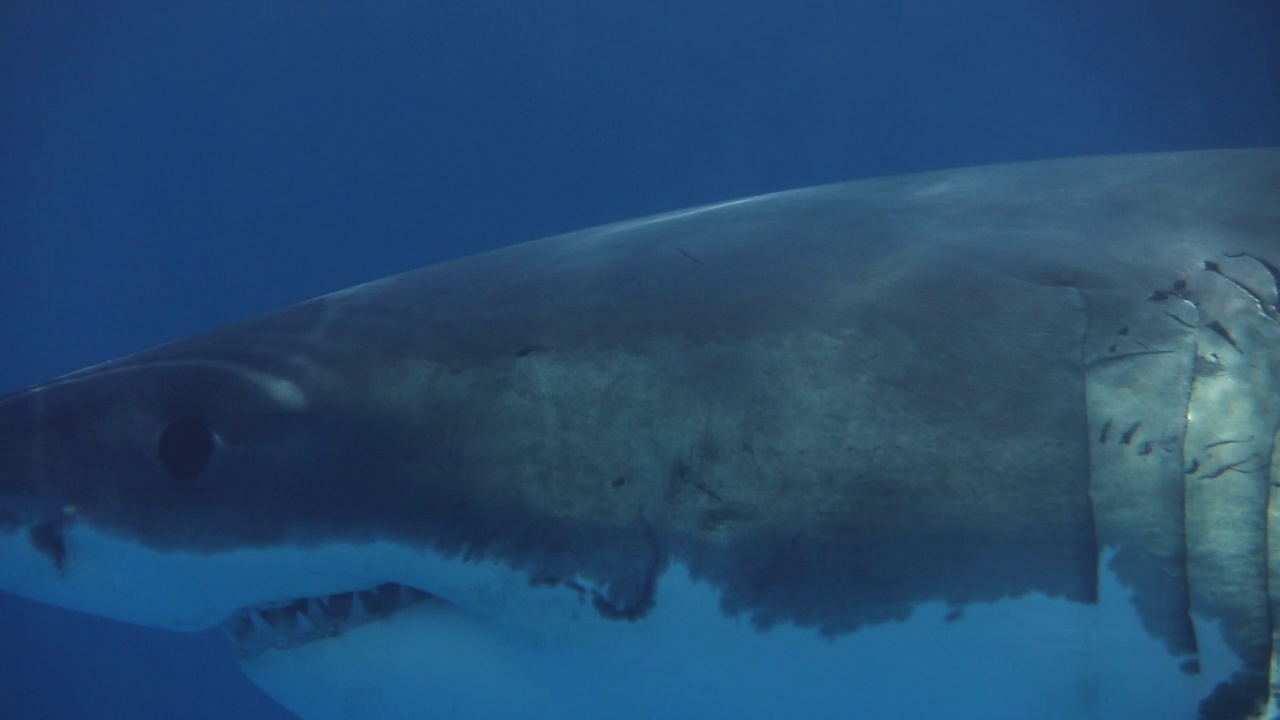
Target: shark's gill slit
290,623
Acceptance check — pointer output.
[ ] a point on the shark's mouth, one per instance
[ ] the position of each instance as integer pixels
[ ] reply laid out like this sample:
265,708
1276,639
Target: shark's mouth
290,623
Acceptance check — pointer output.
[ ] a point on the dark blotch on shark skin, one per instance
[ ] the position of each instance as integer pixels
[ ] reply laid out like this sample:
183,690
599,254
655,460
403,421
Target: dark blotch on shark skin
1224,333
1243,696
850,585
1127,436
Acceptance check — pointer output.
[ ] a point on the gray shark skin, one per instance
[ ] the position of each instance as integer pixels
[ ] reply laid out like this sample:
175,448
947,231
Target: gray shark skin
832,407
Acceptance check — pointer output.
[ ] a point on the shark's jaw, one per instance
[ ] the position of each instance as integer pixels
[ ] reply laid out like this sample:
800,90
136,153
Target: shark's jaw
284,625
260,598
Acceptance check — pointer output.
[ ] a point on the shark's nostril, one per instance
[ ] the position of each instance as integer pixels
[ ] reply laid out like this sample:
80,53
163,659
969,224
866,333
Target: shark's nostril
47,538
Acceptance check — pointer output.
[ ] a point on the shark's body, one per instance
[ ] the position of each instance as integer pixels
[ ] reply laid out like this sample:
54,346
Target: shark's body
994,442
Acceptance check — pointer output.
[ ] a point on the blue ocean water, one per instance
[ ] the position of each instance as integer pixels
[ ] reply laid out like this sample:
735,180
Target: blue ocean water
169,167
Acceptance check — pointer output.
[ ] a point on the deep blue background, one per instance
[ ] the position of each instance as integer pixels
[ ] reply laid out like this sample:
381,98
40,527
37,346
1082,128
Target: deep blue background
168,167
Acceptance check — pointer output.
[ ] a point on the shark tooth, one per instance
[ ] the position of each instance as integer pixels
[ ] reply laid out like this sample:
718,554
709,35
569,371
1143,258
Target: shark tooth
305,626
359,608
258,622
314,610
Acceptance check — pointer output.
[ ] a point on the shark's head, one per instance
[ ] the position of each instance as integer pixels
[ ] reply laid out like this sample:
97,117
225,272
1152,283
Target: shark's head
186,489
338,487
183,487
163,491
307,474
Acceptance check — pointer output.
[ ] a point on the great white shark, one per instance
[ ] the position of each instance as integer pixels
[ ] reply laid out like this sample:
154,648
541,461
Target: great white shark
995,442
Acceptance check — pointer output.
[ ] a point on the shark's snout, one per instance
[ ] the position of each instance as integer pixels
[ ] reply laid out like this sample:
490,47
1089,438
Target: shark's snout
29,507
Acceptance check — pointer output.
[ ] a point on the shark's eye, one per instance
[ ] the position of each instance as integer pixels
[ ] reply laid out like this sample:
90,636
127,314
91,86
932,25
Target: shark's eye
185,448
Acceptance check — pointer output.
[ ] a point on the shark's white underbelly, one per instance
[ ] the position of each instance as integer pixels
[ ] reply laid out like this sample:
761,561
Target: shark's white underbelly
1031,657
